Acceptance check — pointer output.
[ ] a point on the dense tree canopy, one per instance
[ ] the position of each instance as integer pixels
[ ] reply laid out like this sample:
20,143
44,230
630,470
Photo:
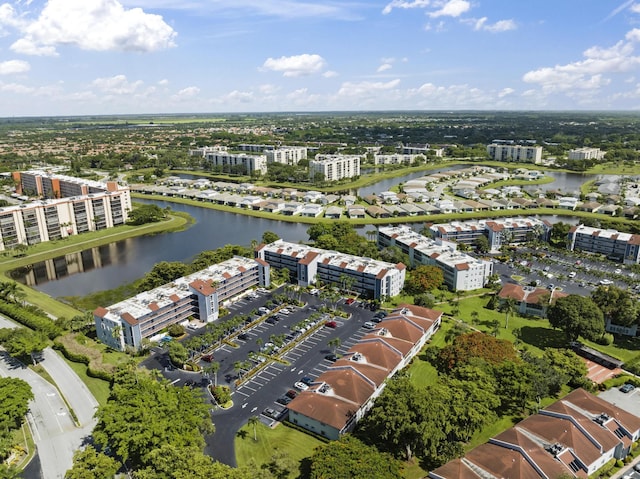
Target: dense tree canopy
91,464
616,304
423,278
162,273
144,414
144,214
350,458
474,345
577,316
15,394
21,343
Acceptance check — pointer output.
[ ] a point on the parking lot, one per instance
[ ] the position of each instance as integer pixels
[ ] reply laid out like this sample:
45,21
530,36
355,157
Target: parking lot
264,393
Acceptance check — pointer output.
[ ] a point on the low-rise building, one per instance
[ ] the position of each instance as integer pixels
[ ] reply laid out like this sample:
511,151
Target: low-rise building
530,300
307,265
199,295
461,271
619,246
573,437
342,395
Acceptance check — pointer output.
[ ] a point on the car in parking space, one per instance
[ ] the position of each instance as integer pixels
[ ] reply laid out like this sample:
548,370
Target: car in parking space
617,271
550,286
243,336
270,413
207,357
300,386
291,393
263,310
331,324
270,320
314,292
284,400
306,380
349,301
376,319
572,274
606,282
380,314
627,388
369,325
636,467
331,357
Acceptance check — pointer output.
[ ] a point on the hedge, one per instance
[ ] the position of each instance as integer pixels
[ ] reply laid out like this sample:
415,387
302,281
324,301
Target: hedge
29,319
81,358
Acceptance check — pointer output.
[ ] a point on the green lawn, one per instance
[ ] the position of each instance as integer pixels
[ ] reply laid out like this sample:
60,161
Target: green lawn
297,445
98,387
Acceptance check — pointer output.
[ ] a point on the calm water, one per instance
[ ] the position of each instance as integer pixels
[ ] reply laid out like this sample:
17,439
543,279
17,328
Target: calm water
111,265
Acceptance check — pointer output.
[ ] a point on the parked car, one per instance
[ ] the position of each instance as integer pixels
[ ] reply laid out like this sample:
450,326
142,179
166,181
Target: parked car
349,301
300,386
369,325
271,320
243,336
627,388
284,400
380,314
636,467
331,357
331,324
270,413
291,393
207,357
376,319
314,292
307,380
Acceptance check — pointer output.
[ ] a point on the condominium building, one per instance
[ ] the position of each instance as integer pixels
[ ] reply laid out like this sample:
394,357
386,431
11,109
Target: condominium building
287,155
69,206
204,150
586,154
498,231
573,437
461,271
198,295
308,265
341,396
334,167
618,246
247,164
519,153
395,159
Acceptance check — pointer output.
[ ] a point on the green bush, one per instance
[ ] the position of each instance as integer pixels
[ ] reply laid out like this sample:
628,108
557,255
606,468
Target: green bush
222,394
176,330
606,339
30,319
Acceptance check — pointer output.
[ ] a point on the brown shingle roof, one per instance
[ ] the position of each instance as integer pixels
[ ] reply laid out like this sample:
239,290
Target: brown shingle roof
203,287
330,410
101,312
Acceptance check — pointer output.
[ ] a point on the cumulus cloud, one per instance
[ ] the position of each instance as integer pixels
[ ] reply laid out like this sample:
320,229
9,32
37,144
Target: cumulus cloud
451,8
188,92
481,24
330,74
402,4
116,85
635,8
588,73
296,65
366,88
505,91
99,25
14,66
384,67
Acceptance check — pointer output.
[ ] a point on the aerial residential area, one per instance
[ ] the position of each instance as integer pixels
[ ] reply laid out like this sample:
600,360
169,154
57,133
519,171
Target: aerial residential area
237,310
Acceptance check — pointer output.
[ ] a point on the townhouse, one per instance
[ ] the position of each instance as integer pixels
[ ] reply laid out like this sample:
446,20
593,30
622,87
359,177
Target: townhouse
615,245
68,206
573,437
461,271
199,295
308,265
342,395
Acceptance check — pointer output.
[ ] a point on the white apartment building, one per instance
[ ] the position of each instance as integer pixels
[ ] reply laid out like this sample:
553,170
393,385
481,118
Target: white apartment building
306,265
612,243
586,154
395,159
461,271
203,151
288,155
334,167
199,295
518,153
70,206
250,163
498,231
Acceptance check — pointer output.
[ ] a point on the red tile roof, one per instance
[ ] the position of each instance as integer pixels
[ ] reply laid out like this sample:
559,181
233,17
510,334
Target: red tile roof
101,312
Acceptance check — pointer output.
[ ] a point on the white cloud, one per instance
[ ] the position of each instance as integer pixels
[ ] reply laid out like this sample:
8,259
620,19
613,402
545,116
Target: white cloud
163,82
117,85
635,8
99,25
499,26
450,8
587,73
505,91
384,67
330,74
16,88
188,92
297,65
8,18
14,66
366,88
405,5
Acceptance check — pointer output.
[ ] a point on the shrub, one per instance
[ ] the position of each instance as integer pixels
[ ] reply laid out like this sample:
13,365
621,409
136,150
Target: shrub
222,394
606,339
176,330
30,319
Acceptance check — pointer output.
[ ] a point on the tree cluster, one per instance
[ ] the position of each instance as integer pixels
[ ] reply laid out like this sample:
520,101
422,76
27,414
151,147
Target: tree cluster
341,236
146,213
15,394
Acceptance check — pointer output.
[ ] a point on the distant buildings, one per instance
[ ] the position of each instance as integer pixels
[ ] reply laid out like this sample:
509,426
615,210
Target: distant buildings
619,246
396,159
573,437
586,154
287,155
243,163
68,206
498,231
517,153
308,265
198,295
334,167
461,271
341,396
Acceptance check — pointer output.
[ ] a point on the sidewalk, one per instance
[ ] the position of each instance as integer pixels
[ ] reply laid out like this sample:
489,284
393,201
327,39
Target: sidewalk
626,469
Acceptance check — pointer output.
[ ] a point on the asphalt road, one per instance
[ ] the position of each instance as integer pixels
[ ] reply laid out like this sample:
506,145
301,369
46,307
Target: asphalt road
307,358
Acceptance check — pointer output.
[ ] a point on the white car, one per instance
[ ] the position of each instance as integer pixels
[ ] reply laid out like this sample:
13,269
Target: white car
618,271
369,325
300,386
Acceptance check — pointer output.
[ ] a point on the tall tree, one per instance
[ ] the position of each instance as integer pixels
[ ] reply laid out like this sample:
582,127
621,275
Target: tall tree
91,464
617,304
577,316
508,307
269,237
424,278
253,422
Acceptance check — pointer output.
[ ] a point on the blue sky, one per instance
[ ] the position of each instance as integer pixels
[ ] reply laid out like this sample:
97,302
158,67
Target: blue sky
78,57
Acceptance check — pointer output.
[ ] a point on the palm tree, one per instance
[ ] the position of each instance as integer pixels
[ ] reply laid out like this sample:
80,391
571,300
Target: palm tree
213,368
334,344
253,421
509,307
